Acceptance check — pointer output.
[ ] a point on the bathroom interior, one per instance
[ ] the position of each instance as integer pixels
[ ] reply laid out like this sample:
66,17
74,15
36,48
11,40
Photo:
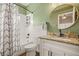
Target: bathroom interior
39,29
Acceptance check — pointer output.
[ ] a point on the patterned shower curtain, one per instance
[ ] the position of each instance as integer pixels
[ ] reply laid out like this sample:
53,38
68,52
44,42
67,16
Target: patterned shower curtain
9,30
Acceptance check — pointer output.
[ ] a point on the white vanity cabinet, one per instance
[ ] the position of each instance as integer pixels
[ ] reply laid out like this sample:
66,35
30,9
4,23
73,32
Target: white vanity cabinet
49,47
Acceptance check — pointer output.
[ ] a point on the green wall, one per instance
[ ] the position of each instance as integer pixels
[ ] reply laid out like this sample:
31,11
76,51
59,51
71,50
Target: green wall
21,10
40,12
53,23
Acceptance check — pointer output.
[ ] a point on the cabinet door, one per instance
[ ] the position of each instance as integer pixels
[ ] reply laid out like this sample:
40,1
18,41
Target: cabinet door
60,49
45,52
57,52
51,50
71,54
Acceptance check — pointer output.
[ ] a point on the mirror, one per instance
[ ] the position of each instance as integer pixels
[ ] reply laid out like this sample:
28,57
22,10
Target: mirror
67,15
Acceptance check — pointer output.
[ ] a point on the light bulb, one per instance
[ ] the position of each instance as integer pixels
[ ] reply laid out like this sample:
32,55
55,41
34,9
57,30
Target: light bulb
64,17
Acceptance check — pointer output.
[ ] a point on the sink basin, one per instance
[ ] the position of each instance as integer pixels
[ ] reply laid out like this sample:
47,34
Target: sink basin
30,47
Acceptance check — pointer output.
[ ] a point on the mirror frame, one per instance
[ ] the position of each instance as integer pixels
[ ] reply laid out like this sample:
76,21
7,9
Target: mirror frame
75,15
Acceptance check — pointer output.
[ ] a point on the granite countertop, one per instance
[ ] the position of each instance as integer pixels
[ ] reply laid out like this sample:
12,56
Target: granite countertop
74,41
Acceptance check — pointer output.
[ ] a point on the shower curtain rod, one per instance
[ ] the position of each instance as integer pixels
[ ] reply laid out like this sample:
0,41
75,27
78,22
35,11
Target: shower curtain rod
20,5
